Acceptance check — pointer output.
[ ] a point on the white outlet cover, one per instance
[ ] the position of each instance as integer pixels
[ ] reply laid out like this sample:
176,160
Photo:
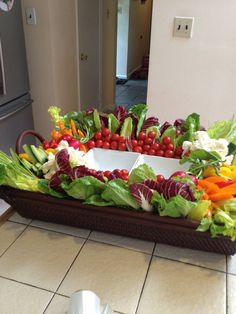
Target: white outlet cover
183,26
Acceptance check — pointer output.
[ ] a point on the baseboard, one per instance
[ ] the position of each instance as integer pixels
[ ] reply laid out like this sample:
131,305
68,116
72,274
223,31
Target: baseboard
132,71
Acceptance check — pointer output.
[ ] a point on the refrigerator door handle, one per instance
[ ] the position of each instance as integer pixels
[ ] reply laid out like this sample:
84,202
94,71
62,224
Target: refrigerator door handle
3,89
14,111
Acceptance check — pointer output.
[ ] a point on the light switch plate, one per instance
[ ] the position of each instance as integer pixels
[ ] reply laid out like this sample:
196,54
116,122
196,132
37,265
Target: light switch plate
30,16
183,26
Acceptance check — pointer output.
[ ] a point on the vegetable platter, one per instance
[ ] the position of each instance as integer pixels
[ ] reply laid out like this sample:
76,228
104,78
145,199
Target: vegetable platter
127,174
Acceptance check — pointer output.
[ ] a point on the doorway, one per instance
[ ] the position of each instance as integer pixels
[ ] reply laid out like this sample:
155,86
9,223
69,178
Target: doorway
133,46
99,51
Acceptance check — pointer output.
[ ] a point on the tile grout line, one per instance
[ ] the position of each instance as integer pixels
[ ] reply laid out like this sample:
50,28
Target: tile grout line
190,264
55,292
19,235
145,279
26,284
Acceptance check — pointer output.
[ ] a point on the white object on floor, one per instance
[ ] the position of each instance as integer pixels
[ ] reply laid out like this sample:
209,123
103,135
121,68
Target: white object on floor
85,301
3,207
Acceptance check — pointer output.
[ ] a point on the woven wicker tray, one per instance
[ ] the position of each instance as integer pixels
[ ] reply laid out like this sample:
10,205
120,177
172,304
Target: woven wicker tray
142,225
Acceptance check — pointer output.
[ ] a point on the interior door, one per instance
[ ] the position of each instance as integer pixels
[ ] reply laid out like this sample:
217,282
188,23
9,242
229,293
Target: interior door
89,53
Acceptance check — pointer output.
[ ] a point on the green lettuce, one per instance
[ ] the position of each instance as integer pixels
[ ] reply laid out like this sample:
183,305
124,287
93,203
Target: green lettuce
171,132
117,191
113,123
191,125
15,176
200,210
223,129
141,173
140,111
97,200
43,184
175,207
127,127
82,188
220,224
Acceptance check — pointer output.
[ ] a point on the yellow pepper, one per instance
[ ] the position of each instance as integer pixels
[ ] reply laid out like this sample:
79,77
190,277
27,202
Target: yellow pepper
25,156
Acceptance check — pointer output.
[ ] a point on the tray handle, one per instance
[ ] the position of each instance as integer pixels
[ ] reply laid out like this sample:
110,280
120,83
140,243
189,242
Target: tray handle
25,133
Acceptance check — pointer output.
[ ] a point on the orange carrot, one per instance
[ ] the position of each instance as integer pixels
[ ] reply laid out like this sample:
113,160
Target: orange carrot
73,127
61,126
55,134
80,133
215,179
209,187
220,196
67,131
83,148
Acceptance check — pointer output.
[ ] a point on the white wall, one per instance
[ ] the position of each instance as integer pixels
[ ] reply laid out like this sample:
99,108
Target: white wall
51,54
197,74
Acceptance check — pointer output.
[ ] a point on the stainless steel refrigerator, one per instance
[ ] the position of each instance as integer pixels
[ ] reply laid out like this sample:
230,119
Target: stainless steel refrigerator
15,99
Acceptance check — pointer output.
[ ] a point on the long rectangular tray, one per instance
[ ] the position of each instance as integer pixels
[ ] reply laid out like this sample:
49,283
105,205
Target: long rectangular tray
142,225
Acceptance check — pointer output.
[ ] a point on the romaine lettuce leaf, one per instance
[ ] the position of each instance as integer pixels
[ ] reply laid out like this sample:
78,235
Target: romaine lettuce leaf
82,188
141,173
223,129
140,111
175,207
97,200
117,191
127,127
113,123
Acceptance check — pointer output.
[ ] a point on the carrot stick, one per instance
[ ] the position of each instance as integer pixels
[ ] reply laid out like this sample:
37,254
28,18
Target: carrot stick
73,127
61,126
209,187
215,179
83,148
220,196
80,133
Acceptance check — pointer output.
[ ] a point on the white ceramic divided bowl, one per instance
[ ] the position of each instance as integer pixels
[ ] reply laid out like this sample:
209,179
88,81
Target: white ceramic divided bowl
161,165
106,159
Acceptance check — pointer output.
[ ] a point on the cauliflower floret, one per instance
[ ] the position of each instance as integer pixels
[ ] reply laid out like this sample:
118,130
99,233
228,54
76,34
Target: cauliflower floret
76,158
203,141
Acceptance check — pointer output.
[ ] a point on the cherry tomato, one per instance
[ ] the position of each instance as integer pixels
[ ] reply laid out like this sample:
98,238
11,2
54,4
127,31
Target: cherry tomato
98,135
122,139
155,146
151,152
106,145
105,131
180,174
145,152
170,147
148,141
115,137
152,134
53,144
193,178
146,147
160,153
124,172
163,147
134,143
107,173
137,149
98,143
166,140
160,178
122,146
113,145
107,138
141,136
46,145
178,150
140,143
125,177
91,144
169,154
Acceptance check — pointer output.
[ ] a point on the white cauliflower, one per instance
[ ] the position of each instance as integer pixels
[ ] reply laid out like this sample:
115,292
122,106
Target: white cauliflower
76,158
203,141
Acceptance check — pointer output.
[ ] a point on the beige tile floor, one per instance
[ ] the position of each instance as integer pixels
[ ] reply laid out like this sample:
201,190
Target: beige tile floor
42,264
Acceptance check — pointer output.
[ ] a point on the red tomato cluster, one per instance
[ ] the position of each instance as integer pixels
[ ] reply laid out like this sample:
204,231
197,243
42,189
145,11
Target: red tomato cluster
117,173
103,139
144,144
